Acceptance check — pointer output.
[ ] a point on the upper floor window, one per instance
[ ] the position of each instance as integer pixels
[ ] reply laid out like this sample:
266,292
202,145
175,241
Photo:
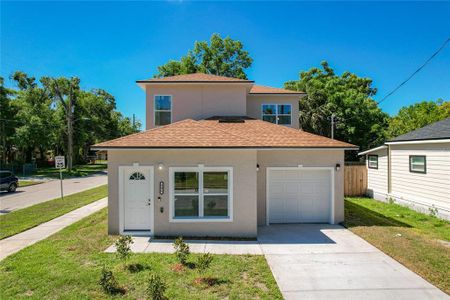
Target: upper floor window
417,164
163,110
277,113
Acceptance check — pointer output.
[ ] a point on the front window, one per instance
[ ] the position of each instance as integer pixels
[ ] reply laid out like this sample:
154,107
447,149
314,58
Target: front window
277,113
163,110
373,161
201,194
417,164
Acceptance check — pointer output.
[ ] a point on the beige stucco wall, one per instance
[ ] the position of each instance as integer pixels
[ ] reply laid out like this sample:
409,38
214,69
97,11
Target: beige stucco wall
199,101
244,189
307,158
254,103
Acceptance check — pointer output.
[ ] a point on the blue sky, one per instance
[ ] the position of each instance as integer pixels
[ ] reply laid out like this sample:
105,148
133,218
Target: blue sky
109,45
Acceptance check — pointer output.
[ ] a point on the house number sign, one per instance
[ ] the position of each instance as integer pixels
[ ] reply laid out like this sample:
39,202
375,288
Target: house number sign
161,187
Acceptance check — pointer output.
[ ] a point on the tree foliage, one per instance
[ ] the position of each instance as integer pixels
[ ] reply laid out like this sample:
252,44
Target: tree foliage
34,117
223,57
416,116
359,120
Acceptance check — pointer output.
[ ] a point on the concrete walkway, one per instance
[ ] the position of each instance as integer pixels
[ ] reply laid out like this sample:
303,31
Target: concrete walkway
24,239
31,195
317,261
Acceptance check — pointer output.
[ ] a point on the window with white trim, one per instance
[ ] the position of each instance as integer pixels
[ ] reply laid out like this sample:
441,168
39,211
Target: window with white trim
277,113
372,161
201,193
417,164
162,110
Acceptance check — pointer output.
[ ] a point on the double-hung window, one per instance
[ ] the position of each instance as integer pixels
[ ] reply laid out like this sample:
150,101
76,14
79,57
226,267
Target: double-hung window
417,164
163,110
201,194
277,113
372,161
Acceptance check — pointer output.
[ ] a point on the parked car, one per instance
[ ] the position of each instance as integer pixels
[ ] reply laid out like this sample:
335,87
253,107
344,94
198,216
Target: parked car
8,181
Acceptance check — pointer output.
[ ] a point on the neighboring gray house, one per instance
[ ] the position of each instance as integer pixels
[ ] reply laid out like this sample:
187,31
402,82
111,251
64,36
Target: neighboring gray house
413,169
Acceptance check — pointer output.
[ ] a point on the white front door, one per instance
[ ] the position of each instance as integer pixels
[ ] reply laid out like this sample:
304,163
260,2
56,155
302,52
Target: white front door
137,198
299,195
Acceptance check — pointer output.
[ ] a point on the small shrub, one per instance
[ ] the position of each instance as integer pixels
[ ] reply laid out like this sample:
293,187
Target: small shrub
123,246
181,250
204,262
433,211
108,282
156,287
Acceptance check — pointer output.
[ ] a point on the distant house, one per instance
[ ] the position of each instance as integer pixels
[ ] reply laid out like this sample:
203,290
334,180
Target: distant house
413,169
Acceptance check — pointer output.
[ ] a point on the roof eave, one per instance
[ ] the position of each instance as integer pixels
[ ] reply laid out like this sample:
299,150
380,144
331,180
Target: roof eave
419,141
223,148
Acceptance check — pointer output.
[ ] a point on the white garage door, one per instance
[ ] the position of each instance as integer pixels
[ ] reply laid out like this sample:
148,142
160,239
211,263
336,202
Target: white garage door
299,195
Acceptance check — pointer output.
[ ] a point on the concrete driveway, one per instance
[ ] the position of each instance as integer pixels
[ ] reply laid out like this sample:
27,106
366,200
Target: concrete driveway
31,195
330,262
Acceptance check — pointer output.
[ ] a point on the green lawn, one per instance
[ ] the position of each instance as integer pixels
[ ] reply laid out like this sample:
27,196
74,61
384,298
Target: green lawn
77,171
67,266
26,218
23,183
418,241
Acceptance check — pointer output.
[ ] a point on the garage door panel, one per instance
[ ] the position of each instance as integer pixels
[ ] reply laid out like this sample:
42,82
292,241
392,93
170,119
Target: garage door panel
299,196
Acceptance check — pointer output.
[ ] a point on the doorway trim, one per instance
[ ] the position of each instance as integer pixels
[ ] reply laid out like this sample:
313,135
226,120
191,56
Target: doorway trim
122,230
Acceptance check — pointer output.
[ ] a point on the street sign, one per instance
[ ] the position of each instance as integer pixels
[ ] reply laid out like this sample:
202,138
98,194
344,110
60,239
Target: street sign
60,162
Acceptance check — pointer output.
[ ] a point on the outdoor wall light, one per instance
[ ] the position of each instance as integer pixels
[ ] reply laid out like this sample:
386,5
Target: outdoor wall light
338,167
257,167
160,166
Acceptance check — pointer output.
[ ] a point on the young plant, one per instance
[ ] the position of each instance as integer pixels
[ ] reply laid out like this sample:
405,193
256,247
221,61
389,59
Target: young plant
123,247
108,282
156,287
181,250
204,262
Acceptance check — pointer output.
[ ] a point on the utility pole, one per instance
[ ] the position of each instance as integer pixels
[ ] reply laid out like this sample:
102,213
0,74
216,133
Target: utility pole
134,121
70,111
332,125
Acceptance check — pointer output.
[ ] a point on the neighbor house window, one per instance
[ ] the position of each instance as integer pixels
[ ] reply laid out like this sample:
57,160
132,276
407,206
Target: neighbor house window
417,164
163,110
201,194
277,113
373,161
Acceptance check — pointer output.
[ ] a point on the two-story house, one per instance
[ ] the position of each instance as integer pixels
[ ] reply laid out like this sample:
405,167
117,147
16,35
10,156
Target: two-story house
219,157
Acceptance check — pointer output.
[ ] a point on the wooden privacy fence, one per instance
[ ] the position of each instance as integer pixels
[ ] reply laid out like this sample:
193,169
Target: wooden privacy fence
355,180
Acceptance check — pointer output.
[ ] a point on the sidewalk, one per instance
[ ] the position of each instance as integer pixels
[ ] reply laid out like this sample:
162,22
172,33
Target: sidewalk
31,195
24,239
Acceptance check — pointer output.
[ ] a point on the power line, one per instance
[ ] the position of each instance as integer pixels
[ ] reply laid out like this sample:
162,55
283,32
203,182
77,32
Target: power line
415,72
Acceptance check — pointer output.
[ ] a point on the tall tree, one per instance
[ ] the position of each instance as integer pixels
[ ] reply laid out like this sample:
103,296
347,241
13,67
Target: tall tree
65,91
223,57
7,121
359,120
34,120
418,115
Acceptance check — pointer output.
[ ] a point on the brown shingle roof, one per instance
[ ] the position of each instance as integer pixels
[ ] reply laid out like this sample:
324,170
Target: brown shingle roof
260,89
195,77
215,134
